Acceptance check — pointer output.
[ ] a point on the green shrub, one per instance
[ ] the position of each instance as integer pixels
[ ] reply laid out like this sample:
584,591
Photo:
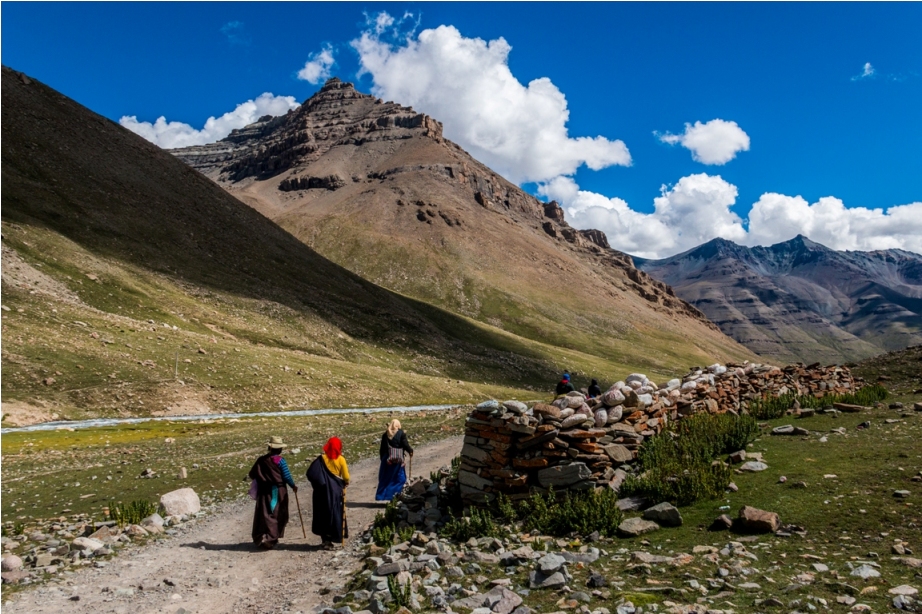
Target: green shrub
769,408
572,512
383,536
505,510
401,594
405,534
387,518
131,513
677,466
479,524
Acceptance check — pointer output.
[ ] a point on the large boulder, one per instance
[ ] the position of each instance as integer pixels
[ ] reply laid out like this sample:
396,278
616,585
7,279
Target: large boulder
758,521
664,514
179,502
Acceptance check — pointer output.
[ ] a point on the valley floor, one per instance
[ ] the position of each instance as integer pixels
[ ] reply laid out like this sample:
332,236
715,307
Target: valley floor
215,568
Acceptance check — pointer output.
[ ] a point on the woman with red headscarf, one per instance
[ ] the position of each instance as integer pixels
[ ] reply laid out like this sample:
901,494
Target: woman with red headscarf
329,476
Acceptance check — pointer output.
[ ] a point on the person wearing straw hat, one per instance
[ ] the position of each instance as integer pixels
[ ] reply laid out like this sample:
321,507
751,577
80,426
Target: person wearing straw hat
329,476
271,477
391,475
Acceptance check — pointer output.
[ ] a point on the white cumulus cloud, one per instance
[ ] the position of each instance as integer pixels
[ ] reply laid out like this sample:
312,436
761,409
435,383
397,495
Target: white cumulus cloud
317,68
776,217
716,142
519,130
695,210
170,135
699,208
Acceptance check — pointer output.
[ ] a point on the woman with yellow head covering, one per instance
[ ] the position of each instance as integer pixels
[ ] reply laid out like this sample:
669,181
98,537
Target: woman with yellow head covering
394,449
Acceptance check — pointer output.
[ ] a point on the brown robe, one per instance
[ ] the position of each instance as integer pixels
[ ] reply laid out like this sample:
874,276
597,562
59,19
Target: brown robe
268,523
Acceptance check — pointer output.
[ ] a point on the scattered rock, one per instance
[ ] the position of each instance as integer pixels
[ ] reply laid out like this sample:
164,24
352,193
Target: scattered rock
664,514
180,502
632,527
865,572
758,521
11,562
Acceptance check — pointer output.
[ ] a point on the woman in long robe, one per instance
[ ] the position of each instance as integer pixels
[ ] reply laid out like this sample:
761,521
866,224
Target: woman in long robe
271,474
391,475
329,476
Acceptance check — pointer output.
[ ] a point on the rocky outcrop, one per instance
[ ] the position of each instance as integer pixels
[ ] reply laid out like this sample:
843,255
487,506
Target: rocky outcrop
336,115
330,182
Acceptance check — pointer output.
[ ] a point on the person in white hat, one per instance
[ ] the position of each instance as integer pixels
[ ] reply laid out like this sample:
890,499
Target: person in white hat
270,475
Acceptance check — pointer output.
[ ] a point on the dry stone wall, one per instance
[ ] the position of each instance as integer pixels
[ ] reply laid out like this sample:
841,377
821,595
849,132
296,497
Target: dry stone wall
578,443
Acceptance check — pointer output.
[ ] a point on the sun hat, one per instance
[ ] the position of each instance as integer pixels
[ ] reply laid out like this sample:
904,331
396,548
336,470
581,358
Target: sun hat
276,443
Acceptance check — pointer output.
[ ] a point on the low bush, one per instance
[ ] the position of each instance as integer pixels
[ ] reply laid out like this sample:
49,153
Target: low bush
480,523
678,465
572,512
131,513
770,408
383,536
402,595
387,518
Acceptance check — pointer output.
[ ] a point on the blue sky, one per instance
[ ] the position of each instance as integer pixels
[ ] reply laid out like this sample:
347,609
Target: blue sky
809,113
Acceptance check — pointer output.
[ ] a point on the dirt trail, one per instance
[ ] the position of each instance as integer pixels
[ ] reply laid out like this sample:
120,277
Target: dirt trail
215,567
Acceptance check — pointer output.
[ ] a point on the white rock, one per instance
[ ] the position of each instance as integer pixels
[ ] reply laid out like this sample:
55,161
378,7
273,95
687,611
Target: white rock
11,563
865,571
179,502
87,543
903,589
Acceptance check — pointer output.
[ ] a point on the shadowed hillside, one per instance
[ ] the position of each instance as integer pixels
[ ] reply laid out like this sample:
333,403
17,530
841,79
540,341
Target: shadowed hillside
132,284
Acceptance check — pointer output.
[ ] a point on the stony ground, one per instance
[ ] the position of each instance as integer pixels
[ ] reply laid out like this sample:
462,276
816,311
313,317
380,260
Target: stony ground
212,566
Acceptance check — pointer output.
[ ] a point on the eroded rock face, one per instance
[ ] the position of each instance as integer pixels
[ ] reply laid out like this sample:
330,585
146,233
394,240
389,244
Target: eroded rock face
337,114
330,182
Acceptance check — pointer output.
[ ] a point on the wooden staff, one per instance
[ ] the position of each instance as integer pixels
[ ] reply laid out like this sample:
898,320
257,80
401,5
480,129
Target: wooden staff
298,501
343,535
410,475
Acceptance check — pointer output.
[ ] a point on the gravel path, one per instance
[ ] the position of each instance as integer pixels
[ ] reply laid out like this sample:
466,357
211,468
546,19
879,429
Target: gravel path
215,568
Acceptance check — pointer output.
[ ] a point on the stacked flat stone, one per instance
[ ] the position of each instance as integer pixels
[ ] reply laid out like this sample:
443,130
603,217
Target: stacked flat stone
719,388
575,443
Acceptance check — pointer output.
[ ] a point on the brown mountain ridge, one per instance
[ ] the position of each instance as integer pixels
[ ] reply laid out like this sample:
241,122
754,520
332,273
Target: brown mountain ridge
376,188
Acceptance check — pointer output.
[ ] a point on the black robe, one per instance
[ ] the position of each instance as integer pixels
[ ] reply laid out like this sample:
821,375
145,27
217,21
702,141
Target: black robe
329,499
269,524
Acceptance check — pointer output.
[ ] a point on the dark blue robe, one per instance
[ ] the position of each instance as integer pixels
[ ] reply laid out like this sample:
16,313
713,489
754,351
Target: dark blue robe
329,499
391,480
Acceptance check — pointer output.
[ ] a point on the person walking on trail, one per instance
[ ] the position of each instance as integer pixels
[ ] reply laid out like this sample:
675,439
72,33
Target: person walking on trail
270,477
391,475
564,386
594,390
329,476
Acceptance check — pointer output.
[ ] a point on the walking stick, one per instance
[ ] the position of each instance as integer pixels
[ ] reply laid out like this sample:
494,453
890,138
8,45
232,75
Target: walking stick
343,535
411,468
298,501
